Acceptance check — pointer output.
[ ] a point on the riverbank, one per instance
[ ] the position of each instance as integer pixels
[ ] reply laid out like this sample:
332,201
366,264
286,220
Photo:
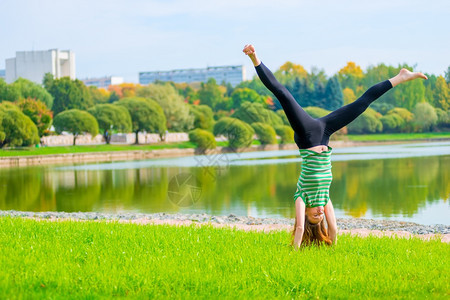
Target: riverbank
170,151
362,227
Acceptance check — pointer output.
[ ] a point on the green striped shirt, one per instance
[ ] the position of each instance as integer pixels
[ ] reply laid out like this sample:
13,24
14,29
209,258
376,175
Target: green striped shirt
314,182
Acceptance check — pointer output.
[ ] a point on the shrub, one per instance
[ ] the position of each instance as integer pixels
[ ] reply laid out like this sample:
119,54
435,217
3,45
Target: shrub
286,134
250,112
368,122
266,134
392,122
203,116
16,129
425,116
316,112
239,133
203,139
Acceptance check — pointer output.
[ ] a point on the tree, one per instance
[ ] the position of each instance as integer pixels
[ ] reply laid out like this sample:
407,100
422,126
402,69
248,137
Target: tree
111,117
69,94
99,95
241,95
350,76
447,75
250,112
424,116
333,94
316,112
405,115
392,122
8,92
38,112
145,114
175,109
349,96
210,94
29,89
203,117
16,129
266,134
239,134
289,71
76,122
441,94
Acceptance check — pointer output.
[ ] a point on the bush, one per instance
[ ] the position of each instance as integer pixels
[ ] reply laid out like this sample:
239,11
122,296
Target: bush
286,134
425,116
239,133
443,117
203,139
16,129
368,122
316,112
392,123
266,134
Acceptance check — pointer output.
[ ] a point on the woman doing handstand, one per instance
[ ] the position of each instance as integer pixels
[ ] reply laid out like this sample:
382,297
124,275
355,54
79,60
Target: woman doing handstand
312,200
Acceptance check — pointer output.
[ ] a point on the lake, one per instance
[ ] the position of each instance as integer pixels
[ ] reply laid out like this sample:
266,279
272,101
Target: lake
407,182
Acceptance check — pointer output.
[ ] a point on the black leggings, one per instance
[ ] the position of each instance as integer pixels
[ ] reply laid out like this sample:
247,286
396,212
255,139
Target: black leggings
310,132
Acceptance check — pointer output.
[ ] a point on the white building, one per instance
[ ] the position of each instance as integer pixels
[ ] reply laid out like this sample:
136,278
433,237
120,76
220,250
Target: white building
230,74
32,65
103,82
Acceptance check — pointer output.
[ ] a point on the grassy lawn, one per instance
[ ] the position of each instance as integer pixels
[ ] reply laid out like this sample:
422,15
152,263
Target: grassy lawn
398,136
105,148
69,259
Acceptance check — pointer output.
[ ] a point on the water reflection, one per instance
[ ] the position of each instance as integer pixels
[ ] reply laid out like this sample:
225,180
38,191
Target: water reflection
257,184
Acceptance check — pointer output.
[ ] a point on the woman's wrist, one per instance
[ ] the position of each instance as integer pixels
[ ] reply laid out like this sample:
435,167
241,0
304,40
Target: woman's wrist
255,59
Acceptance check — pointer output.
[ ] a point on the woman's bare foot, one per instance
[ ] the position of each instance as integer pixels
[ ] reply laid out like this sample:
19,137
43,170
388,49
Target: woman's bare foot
406,75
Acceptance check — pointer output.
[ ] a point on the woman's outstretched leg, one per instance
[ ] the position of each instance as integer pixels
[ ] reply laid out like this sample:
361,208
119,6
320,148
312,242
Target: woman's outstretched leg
346,114
298,118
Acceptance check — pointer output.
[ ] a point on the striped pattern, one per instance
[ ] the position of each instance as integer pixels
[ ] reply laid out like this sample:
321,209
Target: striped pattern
314,182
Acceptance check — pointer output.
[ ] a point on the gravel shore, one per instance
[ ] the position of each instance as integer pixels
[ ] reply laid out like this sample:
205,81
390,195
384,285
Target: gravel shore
231,219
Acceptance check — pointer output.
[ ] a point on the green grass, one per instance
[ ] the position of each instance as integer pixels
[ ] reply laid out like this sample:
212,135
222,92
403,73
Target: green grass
398,136
91,260
25,151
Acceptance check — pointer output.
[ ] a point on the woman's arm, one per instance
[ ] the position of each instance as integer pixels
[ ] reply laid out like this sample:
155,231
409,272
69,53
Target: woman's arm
300,217
331,221
250,51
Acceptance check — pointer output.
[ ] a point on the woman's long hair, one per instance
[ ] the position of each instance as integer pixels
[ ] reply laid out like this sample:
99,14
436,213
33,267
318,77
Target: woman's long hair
313,234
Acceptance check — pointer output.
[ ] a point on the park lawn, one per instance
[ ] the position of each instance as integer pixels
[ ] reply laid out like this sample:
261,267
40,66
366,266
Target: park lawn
397,136
71,259
27,151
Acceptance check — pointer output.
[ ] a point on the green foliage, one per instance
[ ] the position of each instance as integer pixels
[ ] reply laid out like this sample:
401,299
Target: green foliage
333,94
211,95
38,112
8,92
403,125
441,94
69,94
443,117
266,134
76,122
145,114
175,109
392,123
316,112
203,117
250,112
23,89
283,117
285,133
424,117
368,122
16,129
239,133
111,117
203,139
99,96
240,95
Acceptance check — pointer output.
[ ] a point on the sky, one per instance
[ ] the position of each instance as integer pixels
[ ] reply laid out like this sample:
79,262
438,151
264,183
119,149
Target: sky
125,37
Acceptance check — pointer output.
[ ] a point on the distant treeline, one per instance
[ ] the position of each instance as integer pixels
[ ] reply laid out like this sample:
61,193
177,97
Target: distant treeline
205,110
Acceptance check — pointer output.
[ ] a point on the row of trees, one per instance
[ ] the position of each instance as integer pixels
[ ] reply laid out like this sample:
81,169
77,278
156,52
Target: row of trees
236,112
